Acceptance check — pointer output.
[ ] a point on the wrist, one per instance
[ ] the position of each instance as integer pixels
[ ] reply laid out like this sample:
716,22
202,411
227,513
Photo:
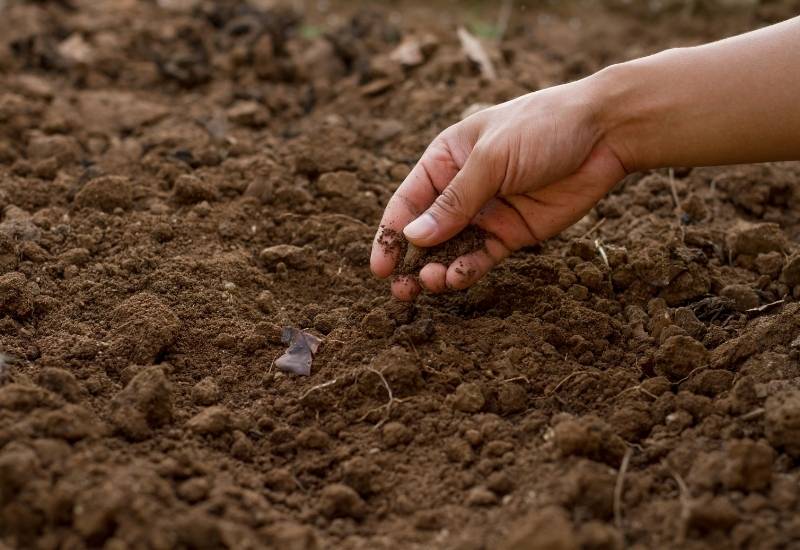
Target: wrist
631,105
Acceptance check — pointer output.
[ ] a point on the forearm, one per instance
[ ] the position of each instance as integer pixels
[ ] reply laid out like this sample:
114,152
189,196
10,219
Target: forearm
728,102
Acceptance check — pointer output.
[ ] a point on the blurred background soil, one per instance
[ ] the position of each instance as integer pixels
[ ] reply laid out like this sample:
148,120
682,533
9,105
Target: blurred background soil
180,179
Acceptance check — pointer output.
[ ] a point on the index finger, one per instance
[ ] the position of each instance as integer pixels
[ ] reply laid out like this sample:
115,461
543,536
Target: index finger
417,192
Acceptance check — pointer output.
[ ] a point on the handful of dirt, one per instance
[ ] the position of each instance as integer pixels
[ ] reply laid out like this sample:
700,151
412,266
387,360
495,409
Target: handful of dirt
413,258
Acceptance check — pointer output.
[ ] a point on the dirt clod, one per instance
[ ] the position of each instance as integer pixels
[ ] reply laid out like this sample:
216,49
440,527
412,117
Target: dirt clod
680,355
181,179
144,404
106,193
340,501
213,420
590,437
471,239
469,398
782,421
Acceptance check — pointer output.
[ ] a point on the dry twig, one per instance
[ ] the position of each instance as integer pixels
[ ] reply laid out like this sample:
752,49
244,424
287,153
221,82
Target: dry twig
475,51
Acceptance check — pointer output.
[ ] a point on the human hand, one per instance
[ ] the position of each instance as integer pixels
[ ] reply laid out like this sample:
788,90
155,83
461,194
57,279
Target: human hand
523,171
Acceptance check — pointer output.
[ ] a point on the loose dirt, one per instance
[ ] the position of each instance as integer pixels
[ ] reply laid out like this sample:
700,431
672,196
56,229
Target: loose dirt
179,180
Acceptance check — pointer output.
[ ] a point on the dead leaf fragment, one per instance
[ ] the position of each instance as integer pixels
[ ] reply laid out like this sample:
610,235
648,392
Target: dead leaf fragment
476,53
302,347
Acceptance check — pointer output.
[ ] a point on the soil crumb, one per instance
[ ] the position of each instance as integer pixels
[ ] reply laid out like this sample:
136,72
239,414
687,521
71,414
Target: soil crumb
471,239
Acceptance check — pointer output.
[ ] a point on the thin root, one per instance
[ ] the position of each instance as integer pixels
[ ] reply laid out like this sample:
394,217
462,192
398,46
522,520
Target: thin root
318,387
618,488
387,405
599,246
686,507
752,415
565,380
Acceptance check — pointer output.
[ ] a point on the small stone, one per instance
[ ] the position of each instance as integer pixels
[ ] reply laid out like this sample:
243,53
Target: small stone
340,501
206,392
469,398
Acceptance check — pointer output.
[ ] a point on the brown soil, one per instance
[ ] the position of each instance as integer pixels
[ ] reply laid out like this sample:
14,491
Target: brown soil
181,179
413,258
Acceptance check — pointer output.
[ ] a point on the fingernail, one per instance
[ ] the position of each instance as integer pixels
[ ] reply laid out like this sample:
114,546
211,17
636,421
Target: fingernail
421,228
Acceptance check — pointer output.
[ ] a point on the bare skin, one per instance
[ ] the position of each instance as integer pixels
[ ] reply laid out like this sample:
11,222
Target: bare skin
527,169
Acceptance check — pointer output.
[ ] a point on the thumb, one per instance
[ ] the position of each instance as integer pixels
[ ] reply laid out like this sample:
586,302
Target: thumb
458,203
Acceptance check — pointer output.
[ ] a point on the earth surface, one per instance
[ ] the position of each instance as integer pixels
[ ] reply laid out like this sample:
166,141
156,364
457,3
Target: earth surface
182,179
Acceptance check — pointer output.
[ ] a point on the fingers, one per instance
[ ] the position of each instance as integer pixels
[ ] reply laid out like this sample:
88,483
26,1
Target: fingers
436,168
471,188
465,270
405,288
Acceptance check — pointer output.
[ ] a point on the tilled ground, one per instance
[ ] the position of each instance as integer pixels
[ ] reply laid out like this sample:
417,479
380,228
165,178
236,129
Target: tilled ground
181,179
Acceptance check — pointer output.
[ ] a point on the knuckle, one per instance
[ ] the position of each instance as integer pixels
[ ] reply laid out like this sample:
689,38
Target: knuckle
452,202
